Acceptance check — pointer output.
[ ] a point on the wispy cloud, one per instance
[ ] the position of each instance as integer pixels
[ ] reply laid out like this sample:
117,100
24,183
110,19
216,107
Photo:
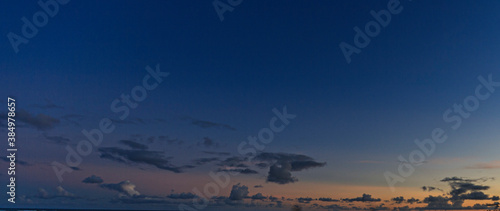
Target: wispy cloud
135,156
208,124
57,139
47,105
494,164
40,121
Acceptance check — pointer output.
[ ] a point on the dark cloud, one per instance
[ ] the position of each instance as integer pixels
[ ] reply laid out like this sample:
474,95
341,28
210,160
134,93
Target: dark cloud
182,196
476,195
464,188
40,121
430,188
413,200
463,179
242,171
438,202
282,164
208,124
258,196
202,161
327,199
93,180
398,200
272,198
364,198
238,192
335,207
262,165
153,158
57,139
480,206
125,187
140,199
304,199
208,142
133,144
232,162
217,153
281,174
461,189
301,165
258,186
20,162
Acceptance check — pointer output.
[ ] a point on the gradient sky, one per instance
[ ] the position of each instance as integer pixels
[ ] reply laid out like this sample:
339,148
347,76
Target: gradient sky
352,121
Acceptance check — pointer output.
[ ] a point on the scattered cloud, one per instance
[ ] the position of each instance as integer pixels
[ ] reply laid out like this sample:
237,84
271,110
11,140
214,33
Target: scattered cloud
282,164
153,158
57,139
208,142
327,199
258,196
208,124
398,200
93,180
217,153
133,144
461,189
60,193
202,161
40,122
304,200
20,162
364,198
440,202
430,188
238,192
124,187
495,164
182,196
239,170
281,173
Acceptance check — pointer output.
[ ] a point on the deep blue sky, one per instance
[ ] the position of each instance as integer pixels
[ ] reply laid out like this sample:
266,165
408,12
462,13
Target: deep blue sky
356,117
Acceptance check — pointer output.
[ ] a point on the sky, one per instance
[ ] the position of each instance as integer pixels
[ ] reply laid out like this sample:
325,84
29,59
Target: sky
251,105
